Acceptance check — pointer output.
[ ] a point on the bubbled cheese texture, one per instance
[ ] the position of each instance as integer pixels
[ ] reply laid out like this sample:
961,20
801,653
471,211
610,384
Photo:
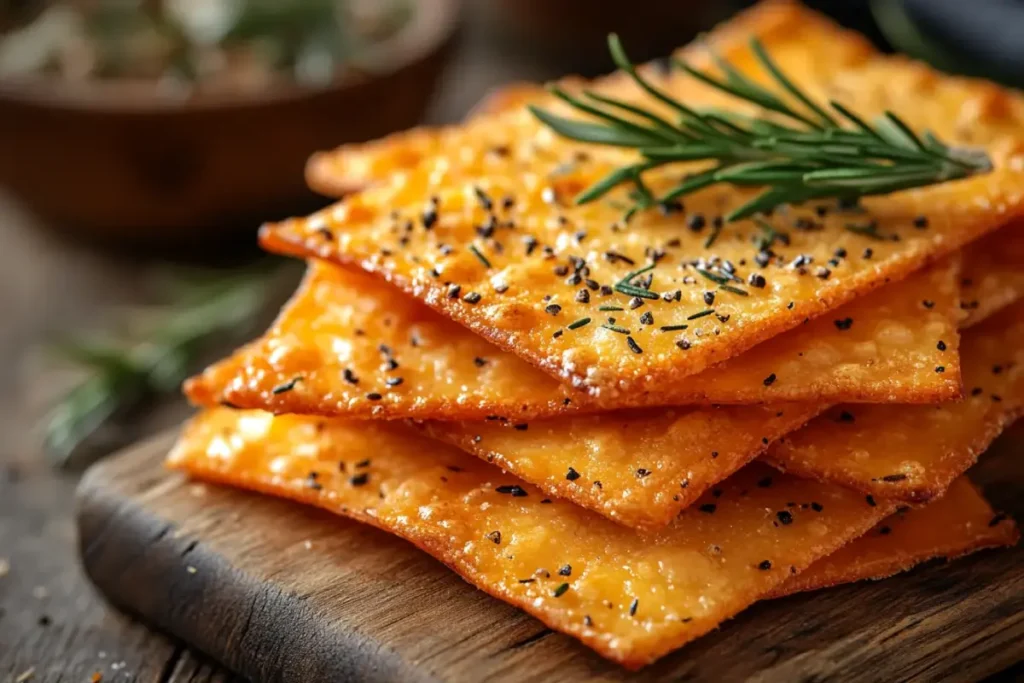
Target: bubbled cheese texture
914,452
632,597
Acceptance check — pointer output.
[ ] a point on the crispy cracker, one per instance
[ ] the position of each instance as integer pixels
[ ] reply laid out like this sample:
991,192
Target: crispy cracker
558,562
780,24
513,271
349,345
913,453
993,274
959,523
907,452
638,467
351,168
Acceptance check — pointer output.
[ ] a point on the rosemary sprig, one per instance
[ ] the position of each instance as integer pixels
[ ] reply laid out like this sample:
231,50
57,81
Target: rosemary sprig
796,149
122,375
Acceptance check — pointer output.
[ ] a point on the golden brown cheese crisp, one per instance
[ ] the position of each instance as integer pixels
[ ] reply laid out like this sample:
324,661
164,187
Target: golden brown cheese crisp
348,345
637,467
827,50
993,274
639,457
631,597
913,453
959,523
484,229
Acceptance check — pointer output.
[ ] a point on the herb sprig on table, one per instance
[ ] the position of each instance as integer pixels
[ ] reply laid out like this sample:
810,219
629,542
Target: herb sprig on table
122,375
795,148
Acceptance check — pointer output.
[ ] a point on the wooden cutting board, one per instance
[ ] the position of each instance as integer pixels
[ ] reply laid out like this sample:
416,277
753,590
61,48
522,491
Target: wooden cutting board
281,592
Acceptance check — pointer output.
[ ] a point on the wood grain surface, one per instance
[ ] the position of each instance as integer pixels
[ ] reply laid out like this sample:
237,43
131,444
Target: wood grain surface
281,592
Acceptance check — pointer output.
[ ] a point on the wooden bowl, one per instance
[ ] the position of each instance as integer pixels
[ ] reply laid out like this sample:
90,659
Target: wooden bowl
116,164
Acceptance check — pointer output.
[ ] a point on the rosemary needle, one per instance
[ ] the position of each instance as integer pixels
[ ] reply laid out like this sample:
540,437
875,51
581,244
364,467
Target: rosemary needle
122,375
800,150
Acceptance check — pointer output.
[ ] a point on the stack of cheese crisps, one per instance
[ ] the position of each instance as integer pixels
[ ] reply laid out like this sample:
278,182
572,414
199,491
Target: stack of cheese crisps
785,409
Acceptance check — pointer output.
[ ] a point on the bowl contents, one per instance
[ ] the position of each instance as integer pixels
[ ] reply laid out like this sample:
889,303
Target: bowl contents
204,45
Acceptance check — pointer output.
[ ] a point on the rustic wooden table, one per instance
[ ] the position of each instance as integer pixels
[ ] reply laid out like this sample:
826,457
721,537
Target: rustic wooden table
53,624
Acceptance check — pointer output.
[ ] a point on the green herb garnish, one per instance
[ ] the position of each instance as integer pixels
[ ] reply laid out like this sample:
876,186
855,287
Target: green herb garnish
123,375
797,151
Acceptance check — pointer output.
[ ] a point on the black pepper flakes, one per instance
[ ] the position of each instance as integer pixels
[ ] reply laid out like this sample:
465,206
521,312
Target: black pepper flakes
495,536
765,565
633,346
844,324
472,298
359,479
583,296
513,490
770,380
286,387
572,474
785,517
565,570
708,508
483,198
552,309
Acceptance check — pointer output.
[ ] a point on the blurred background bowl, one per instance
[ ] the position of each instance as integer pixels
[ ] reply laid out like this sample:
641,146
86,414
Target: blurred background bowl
114,161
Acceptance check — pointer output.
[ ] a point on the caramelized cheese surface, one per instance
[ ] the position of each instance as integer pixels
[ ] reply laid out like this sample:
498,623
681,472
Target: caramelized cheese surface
993,274
482,226
639,468
959,523
348,345
913,452
632,597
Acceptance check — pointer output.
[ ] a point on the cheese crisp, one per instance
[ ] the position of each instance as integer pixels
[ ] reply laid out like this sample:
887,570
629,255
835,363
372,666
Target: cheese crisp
993,274
486,232
639,468
348,345
914,452
959,523
632,597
